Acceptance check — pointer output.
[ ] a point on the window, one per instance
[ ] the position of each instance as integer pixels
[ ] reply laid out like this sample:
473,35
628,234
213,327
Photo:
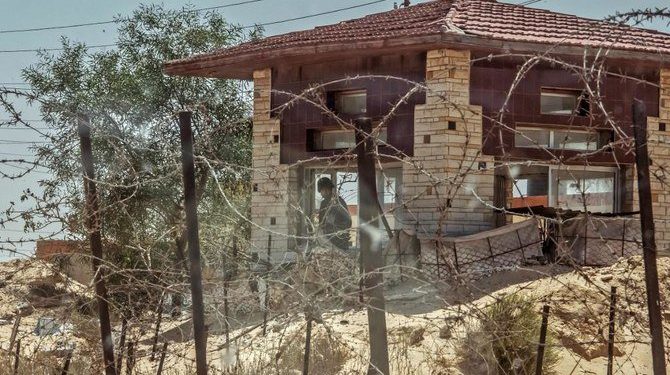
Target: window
336,139
566,139
353,102
389,181
564,102
532,137
591,188
530,186
569,188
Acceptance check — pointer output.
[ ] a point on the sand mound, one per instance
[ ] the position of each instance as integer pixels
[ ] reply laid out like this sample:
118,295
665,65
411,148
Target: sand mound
425,343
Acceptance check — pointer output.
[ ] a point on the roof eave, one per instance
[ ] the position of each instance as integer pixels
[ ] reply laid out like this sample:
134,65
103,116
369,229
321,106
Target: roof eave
242,66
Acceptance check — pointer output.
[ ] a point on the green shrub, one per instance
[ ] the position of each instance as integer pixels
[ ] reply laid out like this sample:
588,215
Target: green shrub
506,339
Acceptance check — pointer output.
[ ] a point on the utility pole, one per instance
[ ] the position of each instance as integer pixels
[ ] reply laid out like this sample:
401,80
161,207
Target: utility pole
648,237
190,204
93,226
371,255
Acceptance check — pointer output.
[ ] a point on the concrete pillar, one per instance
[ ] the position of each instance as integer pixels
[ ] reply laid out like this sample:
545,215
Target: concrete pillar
270,180
659,152
448,184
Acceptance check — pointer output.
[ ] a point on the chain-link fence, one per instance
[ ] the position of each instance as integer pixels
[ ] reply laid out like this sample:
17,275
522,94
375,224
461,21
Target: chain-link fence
481,254
592,240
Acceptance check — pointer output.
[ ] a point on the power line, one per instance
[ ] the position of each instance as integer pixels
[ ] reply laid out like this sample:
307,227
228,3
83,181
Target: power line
25,128
243,27
53,49
315,14
16,88
26,120
17,142
13,154
72,26
529,2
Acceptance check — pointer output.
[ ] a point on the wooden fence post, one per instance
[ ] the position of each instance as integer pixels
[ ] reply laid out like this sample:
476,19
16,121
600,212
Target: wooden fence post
190,204
93,222
17,357
610,337
371,258
15,330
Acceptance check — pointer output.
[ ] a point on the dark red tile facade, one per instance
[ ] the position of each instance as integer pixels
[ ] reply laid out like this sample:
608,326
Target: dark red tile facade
491,82
382,94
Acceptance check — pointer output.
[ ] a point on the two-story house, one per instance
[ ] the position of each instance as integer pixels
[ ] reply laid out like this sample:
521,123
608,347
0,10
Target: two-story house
492,106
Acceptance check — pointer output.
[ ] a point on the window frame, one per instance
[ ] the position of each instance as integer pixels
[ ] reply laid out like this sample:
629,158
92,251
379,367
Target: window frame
554,170
332,101
552,182
552,130
582,101
312,133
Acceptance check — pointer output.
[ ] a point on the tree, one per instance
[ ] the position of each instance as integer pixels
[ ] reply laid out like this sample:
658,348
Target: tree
132,108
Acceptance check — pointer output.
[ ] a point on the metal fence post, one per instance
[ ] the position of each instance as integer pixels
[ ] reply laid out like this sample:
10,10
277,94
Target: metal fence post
266,298
157,330
122,343
539,360
66,365
308,340
162,359
130,358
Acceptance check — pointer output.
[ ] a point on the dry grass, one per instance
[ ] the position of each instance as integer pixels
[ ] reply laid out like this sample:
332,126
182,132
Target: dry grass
42,364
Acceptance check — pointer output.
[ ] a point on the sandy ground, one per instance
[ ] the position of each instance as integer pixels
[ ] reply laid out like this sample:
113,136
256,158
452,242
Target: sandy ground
426,324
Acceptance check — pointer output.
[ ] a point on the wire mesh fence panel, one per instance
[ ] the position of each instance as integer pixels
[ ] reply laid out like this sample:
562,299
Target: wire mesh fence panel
592,240
479,255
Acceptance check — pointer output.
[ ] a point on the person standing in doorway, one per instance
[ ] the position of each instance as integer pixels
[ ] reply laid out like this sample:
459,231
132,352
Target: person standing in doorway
334,218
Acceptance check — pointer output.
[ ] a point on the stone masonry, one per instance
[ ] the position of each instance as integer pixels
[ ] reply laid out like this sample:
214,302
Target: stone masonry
270,190
448,184
659,153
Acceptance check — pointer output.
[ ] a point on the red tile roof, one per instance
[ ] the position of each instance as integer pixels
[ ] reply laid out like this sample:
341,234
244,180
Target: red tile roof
510,22
485,19
421,19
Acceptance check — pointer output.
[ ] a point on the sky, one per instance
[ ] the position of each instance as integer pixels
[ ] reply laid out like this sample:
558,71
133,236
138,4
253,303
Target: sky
22,14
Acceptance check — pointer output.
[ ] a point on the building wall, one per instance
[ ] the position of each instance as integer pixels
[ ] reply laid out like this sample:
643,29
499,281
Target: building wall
659,153
369,73
448,183
270,180
448,177
70,257
45,249
491,82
